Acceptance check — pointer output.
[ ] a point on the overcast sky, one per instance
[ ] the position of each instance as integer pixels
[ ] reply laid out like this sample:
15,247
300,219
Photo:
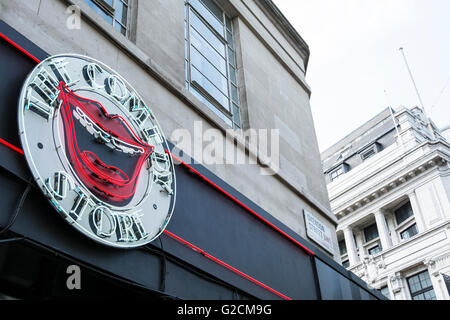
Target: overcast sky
355,57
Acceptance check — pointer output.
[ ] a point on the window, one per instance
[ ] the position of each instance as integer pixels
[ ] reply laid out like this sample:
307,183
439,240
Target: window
420,287
115,12
374,250
403,213
339,172
211,60
371,232
342,247
410,232
336,173
346,264
385,292
446,281
369,152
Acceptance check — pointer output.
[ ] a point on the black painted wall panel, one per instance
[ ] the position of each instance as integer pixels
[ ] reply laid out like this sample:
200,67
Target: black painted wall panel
204,217
335,286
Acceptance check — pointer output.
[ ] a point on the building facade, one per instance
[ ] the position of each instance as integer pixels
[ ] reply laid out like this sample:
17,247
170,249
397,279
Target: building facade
389,187
209,71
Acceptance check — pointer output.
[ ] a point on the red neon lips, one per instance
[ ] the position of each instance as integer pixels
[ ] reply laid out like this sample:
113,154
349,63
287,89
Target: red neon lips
103,149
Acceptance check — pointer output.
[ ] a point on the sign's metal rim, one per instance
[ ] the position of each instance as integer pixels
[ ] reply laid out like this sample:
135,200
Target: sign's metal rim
36,176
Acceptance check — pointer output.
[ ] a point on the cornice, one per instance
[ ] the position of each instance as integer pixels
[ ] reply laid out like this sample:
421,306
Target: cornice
433,144
416,168
283,23
379,260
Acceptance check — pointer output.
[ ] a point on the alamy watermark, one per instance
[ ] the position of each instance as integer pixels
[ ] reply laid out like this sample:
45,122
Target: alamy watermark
73,21
213,147
74,279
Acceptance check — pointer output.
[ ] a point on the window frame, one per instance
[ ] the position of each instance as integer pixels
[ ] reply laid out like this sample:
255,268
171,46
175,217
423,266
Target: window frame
344,167
344,246
408,219
422,290
111,11
407,227
385,287
378,245
365,235
372,243
374,148
344,255
405,224
233,115
346,263
105,6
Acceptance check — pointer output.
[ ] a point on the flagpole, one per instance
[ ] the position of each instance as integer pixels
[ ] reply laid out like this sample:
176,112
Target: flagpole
418,95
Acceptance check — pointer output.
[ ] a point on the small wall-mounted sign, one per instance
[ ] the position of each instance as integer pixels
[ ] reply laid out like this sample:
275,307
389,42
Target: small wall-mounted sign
318,232
96,151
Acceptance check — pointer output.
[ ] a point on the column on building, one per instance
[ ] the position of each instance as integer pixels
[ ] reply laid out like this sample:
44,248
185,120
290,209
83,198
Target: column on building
390,219
417,212
359,237
351,246
396,282
436,279
392,292
383,229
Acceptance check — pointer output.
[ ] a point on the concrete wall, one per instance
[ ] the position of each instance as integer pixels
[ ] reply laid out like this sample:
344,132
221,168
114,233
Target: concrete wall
160,34
273,90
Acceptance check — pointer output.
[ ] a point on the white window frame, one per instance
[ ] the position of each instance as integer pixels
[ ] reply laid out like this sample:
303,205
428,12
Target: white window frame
404,227
371,245
374,147
346,260
399,228
343,167
412,273
368,245
385,285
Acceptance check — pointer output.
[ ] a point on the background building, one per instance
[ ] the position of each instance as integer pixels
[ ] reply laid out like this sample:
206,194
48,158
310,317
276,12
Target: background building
389,186
446,132
235,65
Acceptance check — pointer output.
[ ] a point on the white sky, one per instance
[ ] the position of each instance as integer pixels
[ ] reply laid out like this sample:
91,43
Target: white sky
355,58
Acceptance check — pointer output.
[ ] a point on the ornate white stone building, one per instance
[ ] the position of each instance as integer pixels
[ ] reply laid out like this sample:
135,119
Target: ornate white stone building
389,187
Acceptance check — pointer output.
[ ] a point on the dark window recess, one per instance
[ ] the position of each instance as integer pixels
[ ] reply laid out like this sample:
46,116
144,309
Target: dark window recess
371,232
342,247
374,250
385,292
342,169
447,281
368,154
410,232
346,264
420,287
370,151
403,213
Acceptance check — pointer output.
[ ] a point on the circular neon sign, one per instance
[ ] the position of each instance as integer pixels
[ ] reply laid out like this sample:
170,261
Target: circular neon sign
96,151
